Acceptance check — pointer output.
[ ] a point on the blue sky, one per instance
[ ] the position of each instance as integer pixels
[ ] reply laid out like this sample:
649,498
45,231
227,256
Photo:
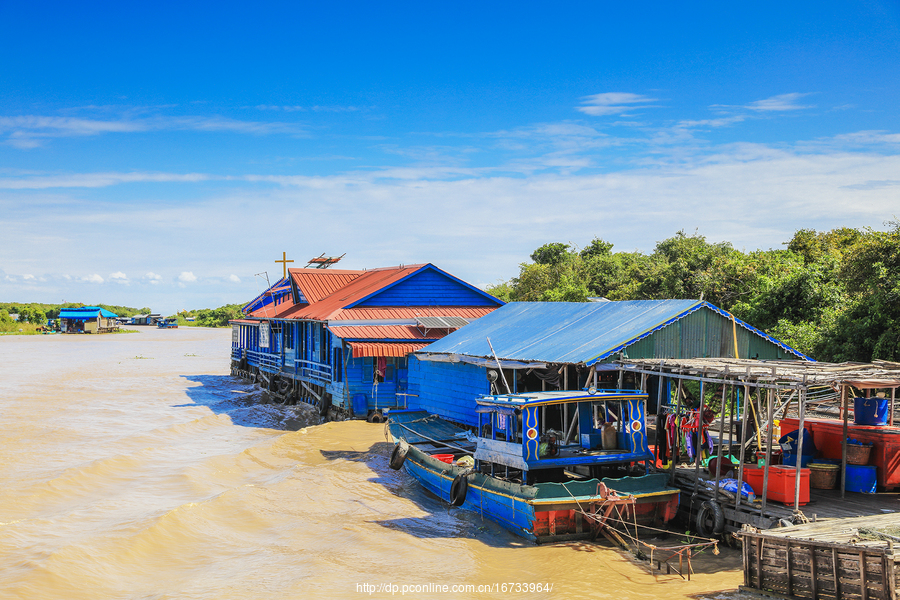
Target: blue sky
162,155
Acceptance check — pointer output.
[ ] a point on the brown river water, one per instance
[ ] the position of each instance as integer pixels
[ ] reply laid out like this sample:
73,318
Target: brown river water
134,466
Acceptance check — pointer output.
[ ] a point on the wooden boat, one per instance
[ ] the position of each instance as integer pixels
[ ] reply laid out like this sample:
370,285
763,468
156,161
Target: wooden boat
542,483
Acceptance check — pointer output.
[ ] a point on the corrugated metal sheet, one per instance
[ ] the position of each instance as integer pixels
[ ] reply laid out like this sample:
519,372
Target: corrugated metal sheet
566,332
385,349
329,291
328,306
384,332
316,284
85,312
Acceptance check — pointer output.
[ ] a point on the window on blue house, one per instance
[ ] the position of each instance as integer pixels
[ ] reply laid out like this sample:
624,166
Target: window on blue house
337,366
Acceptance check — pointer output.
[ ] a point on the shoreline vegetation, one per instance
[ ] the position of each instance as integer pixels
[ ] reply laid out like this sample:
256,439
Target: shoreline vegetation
32,317
210,317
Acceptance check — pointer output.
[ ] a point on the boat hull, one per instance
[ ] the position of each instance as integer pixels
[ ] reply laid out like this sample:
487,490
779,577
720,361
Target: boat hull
534,512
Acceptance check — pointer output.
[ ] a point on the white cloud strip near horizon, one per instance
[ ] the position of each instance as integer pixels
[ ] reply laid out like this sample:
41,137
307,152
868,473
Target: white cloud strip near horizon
27,131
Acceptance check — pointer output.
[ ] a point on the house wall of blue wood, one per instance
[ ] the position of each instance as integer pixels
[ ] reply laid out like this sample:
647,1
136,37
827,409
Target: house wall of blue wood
447,389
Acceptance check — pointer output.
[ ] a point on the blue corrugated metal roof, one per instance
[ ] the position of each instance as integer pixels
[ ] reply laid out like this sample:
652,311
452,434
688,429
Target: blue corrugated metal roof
568,332
86,312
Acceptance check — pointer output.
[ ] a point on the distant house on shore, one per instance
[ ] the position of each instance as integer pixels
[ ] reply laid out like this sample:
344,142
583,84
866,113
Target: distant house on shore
148,319
89,319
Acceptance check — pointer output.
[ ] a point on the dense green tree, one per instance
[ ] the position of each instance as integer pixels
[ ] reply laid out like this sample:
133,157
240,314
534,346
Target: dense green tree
834,295
550,254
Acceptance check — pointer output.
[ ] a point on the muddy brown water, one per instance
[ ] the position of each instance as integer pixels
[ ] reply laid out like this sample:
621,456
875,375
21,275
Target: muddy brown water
133,466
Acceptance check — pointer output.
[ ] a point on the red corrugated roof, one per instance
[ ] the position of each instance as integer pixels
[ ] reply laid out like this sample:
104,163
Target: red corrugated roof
330,290
385,332
369,282
316,284
386,349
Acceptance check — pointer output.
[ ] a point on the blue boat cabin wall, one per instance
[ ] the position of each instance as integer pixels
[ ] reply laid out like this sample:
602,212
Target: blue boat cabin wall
516,441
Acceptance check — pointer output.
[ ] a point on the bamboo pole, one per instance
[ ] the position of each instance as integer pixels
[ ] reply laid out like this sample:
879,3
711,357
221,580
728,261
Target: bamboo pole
801,405
697,450
677,452
719,449
844,442
745,421
731,420
893,395
768,453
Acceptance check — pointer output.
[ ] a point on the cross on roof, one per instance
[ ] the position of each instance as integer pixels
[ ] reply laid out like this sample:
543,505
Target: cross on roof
284,261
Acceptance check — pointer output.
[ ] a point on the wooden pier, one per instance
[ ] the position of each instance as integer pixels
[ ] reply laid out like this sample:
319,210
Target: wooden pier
841,558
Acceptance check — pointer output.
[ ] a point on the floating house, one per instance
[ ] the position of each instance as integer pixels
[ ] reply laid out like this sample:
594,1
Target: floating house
568,345
148,319
89,319
340,338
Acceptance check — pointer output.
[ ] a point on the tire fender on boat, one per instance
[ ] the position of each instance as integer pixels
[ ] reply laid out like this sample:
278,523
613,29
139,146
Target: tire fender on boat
709,509
398,457
458,490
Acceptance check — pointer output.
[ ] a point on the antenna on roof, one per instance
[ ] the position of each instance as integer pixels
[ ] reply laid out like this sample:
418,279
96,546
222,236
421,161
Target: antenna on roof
268,285
323,262
499,367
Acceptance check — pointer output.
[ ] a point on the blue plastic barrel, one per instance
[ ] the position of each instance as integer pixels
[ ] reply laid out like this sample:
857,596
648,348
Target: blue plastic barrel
870,411
861,478
789,442
789,458
360,405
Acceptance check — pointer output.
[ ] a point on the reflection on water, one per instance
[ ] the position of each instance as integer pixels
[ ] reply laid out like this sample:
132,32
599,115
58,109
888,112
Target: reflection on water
133,466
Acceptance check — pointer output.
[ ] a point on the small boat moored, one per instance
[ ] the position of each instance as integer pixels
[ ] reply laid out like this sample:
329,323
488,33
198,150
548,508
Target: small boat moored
538,462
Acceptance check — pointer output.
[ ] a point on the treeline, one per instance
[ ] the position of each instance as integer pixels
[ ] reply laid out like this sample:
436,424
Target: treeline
833,295
38,313
211,317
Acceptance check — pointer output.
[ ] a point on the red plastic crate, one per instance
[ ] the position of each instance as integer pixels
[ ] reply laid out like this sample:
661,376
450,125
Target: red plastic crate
781,482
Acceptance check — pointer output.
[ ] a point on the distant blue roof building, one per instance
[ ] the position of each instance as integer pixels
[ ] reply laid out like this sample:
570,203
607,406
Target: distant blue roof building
550,345
87,319
87,312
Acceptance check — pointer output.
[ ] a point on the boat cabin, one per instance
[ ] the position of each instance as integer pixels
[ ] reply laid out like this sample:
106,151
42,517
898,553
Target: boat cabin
543,434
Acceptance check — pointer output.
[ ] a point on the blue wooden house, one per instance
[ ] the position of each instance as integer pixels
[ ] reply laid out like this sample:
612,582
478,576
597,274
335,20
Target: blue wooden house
340,339
569,345
87,319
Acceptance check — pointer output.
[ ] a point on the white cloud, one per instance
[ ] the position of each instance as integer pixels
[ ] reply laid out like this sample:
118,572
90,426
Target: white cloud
613,103
28,276
779,103
118,277
234,278
95,180
153,278
92,278
720,122
29,131
187,277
